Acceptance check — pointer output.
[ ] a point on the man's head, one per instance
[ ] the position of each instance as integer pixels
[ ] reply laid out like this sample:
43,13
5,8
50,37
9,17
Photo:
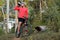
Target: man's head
23,4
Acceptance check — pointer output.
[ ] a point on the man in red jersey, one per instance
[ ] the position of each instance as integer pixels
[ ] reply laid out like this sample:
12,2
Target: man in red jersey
22,16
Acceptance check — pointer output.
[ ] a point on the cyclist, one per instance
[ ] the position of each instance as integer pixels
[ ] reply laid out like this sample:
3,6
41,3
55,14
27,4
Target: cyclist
22,16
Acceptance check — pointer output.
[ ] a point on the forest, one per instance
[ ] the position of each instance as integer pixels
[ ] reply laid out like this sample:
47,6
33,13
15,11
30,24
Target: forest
41,13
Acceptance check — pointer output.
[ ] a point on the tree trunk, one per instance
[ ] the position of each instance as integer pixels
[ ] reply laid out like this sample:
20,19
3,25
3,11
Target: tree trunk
40,10
7,15
16,20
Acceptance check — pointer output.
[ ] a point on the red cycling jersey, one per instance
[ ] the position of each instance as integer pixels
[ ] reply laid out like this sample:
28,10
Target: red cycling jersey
22,12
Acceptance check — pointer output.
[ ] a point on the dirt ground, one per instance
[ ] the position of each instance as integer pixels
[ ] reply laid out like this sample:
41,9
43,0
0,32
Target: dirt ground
16,38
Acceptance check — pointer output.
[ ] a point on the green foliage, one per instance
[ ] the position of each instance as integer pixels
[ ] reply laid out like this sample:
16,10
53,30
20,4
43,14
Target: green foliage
1,16
12,30
31,14
1,31
1,2
51,17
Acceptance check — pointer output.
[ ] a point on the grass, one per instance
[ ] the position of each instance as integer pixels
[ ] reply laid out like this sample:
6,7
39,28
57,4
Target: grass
50,35
6,37
45,36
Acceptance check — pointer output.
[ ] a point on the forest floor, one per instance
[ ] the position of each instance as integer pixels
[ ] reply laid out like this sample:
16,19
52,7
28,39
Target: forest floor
34,36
